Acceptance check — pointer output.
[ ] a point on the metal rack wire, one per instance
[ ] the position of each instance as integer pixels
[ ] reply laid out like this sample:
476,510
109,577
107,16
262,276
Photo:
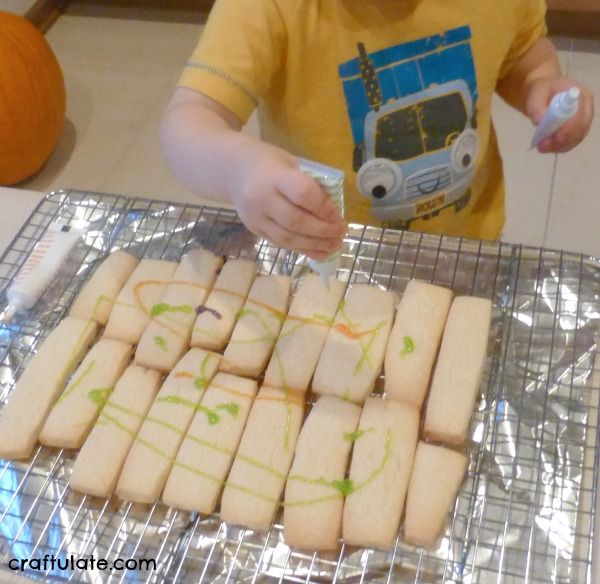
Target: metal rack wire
527,509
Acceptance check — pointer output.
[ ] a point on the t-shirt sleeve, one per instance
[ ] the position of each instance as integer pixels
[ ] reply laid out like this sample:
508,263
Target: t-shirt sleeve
240,50
530,19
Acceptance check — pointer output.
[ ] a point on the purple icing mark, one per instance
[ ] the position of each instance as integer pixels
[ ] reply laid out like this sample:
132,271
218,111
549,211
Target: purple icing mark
200,309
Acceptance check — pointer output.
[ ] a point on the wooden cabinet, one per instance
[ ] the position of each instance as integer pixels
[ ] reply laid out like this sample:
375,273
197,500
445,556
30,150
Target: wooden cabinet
574,17
574,5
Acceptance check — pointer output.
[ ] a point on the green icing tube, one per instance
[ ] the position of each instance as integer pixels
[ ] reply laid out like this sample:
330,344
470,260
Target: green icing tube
332,181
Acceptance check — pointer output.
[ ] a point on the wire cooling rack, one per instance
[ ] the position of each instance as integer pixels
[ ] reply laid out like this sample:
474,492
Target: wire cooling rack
526,512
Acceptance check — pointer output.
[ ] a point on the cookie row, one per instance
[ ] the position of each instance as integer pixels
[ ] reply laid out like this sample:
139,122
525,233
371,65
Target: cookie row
163,307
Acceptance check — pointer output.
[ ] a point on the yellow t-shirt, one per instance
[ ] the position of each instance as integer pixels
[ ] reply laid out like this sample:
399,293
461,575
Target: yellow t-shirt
396,93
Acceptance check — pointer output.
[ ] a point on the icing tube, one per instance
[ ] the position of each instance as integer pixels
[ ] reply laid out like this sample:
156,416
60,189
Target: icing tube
332,181
40,267
561,109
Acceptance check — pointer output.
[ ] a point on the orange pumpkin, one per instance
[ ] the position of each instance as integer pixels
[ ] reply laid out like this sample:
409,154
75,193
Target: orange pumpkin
32,99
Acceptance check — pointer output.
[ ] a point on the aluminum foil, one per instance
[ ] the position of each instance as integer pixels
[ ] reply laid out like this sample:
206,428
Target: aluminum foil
526,511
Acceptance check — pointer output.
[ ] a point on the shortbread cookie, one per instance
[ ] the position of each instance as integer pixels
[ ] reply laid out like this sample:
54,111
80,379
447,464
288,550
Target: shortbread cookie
316,487
99,462
258,325
41,383
216,317
436,478
303,334
415,340
150,459
76,410
96,299
167,336
457,375
261,465
382,459
131,312
355,346
207,451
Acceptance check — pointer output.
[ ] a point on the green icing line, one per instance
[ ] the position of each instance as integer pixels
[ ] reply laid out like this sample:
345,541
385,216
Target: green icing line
123,409
409,346
357,435
160,342
117,423
76,382
321,318
198,471
345,486
231,407
270,336
166,425
162,307
201,381
251,492
322,499
386,456
261,465
353,436
102,298
212,416
342,488
366,357
152,447
100,395
288,423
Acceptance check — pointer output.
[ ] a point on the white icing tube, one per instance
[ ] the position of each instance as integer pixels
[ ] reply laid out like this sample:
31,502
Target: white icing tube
39,268
332,181
561,109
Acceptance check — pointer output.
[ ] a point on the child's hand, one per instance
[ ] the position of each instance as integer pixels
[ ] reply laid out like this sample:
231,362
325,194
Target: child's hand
277,201
540,92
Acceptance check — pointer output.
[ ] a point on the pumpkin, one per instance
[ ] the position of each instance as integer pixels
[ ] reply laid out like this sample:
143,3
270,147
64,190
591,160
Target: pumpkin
32,99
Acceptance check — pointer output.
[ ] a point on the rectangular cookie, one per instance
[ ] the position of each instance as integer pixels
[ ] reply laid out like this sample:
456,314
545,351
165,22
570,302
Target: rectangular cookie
216,317
415,340
458,372
131,312
382,459
167,336
355,346
316,487
207,451
96,299
257,477
44,378
299,345
258,325
436,478
101,458
74,413
150,459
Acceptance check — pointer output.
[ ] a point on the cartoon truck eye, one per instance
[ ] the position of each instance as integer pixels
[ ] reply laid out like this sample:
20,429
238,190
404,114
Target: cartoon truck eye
419,152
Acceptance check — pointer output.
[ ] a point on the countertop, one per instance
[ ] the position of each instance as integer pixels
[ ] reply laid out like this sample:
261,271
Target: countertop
15,206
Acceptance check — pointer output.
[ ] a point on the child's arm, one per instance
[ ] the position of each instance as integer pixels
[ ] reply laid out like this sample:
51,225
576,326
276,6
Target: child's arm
530,85
203,144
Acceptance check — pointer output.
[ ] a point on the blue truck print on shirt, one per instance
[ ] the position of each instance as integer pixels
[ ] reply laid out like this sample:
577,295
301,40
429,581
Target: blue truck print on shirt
412,109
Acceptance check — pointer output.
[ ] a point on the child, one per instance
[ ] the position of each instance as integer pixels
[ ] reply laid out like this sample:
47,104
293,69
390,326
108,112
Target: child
397,93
